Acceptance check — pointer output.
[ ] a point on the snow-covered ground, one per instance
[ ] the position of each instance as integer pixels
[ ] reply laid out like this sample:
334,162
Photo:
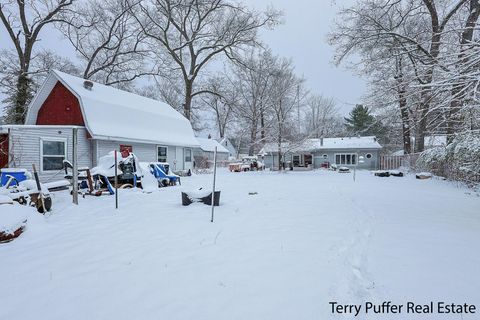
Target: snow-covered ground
304,240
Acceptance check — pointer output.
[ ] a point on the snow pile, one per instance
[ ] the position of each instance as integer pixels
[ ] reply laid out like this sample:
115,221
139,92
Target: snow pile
5,199
305,238
149,182
199,192
106,164
13,216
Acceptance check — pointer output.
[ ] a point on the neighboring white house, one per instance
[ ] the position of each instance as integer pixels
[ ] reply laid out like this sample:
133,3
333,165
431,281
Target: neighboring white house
107,119
225,142
204,154
316,153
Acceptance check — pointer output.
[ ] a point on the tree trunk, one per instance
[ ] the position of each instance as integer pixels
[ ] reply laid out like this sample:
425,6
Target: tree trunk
262,126
422,123
221,125
458,96
404,112
280,154
253,139
407,140
18,112
187,107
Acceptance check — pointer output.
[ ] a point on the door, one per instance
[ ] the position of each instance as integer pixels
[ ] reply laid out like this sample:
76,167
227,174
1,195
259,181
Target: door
178,162
3,150
188,164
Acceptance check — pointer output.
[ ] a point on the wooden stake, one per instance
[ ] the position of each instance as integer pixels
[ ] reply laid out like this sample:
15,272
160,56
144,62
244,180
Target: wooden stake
214,176
39,188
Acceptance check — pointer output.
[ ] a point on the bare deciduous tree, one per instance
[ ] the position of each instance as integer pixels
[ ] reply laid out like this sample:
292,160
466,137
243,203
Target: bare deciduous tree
221,101
107,39
23,21
285,95
188,35
321,117
252,79
406,40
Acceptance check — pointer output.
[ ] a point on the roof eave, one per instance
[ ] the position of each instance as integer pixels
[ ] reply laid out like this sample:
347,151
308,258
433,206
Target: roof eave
117,138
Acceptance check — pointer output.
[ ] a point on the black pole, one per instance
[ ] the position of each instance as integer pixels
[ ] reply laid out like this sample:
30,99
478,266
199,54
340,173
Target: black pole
214,176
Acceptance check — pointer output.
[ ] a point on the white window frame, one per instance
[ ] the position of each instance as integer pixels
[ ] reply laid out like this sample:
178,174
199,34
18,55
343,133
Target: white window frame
345,154
42,139
166,153
368,156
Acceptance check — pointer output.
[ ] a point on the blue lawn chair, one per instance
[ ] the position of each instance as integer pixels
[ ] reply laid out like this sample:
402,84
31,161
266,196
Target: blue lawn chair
160,171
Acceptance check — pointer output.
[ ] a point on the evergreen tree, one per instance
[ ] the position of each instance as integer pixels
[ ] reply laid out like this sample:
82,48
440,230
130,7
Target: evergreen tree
360,121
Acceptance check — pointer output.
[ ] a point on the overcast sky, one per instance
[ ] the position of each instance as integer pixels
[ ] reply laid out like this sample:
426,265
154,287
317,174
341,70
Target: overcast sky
302,37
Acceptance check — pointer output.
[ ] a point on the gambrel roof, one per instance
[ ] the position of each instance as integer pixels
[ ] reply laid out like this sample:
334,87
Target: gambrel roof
113,114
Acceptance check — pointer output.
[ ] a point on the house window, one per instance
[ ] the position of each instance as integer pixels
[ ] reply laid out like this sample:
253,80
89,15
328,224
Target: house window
162,154
346,158
325,156
188,155
368,156
53,152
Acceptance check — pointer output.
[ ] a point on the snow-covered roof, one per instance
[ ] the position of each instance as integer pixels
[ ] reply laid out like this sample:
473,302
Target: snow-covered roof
113,114
209,145
310,145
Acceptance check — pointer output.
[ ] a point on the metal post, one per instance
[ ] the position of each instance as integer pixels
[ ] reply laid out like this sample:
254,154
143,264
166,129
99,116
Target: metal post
116,181
214,176
355,167
75,166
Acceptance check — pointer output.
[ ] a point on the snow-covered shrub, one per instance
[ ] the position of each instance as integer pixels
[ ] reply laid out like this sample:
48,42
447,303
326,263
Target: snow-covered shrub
464,156
460,160
434,159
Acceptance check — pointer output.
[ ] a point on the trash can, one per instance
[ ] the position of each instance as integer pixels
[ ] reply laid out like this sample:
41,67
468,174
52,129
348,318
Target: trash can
18,174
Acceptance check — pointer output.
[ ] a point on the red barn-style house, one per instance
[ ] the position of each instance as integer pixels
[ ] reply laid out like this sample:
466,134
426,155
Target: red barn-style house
107,119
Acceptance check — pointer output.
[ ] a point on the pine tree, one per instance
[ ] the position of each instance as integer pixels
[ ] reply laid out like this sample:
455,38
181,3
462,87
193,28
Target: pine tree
360,121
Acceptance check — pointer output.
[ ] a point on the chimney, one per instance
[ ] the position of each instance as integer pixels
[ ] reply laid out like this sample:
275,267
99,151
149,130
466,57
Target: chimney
209,136
321,141
88,84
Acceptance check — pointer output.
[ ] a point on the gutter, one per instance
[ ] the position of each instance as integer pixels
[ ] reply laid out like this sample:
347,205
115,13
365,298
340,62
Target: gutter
125,139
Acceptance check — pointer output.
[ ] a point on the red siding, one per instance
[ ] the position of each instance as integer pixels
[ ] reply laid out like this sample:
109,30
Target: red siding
60,108
3,150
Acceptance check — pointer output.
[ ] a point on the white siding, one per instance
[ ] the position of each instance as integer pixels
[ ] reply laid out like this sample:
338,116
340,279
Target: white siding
145,152
178,164
25,148
171,155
